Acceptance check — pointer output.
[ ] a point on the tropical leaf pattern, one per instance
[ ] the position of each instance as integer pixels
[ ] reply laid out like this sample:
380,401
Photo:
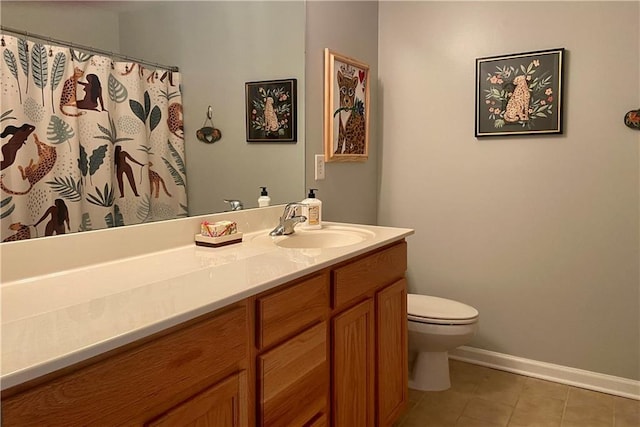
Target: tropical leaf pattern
117,91
12,66
177,158
23,53
155,117
90,165
57,72
144,208
103,198
80,56
67,187
104,142
169,95
5,116
83,162
110,134
4,210
115,218
179,172
39,67
145,112
96,159
59,131
85,222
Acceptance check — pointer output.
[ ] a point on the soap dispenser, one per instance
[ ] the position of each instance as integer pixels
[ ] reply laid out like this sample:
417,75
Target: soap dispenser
312,210
264,199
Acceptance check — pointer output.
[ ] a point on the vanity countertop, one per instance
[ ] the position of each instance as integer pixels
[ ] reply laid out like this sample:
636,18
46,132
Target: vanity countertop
55,320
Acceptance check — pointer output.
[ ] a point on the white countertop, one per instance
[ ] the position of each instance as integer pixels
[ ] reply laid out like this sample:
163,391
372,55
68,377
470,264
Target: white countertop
55,320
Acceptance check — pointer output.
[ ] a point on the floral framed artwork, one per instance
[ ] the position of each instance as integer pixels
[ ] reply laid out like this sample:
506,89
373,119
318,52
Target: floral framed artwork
520,94
346,108
272,111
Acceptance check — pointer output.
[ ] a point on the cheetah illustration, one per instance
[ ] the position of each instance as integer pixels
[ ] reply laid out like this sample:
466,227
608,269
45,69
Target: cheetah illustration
68,95
351,135
518,105
22,232
155,181
34,172
174,120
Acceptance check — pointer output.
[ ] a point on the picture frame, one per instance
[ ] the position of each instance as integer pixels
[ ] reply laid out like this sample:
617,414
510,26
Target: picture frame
520,94
346,108
271,111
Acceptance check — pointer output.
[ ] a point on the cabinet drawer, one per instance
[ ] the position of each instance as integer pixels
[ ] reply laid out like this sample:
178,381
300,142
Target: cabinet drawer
290,310
221,405
293,379
364,276
129,385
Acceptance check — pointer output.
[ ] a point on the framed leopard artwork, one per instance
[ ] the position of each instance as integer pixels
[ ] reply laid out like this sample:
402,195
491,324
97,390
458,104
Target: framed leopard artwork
346,108
520,94
271,111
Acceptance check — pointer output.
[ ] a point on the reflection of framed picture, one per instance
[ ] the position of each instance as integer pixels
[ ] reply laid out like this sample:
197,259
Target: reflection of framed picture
519,94
271,111
346,108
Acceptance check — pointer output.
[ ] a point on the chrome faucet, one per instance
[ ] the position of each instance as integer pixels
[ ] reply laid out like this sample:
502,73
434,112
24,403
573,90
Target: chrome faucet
236,205
288,220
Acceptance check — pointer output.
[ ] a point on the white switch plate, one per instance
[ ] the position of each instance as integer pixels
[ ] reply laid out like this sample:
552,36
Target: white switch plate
319,167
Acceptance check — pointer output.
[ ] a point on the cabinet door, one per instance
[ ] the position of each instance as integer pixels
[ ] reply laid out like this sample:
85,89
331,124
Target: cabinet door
353,366
293,379
221,405
391,369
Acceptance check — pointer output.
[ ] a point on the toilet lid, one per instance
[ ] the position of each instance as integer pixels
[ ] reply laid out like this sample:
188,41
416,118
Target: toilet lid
428,309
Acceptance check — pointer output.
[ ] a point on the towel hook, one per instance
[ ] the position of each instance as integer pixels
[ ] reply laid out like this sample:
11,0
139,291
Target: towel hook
208,134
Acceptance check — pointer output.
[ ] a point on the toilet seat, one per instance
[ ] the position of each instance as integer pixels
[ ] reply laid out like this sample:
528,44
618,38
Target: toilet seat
439,311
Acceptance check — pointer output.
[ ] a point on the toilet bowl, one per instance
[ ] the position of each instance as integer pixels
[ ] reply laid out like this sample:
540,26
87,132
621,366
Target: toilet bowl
436,325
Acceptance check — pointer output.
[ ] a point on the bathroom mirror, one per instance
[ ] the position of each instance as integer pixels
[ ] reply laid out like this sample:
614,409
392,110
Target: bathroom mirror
218,47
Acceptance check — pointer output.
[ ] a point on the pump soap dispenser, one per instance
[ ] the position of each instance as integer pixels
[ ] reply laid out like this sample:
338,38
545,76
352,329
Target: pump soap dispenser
313,211
264,199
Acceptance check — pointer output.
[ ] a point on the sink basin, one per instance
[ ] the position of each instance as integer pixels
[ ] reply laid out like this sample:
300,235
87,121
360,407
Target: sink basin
328,237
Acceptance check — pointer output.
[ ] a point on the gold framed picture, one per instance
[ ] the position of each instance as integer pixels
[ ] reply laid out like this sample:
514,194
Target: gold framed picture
346,108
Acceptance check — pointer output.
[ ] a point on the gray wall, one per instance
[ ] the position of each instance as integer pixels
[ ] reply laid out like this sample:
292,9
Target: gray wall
86,25
349,192
219,46
539,233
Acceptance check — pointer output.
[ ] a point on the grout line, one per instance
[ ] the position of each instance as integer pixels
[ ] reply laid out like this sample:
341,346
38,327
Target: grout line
564,408
515,405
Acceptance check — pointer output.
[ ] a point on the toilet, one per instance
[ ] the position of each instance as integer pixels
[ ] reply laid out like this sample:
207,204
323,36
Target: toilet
436,325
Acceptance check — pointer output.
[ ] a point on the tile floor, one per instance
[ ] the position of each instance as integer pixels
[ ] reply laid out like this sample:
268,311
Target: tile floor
484,397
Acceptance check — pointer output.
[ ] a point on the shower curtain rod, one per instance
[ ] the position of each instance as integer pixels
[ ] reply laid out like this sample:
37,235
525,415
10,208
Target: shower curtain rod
88,49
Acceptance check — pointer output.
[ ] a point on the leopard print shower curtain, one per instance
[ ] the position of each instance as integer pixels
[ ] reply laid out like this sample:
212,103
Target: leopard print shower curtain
87,142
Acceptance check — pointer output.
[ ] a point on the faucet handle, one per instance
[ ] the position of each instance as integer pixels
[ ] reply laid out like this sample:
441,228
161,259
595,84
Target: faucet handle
236,205
290,209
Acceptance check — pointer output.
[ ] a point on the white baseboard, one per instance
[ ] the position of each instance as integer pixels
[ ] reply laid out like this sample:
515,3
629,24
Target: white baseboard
547,371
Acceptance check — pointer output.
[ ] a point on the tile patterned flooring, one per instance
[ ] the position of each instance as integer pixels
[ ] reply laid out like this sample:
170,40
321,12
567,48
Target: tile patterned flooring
484,397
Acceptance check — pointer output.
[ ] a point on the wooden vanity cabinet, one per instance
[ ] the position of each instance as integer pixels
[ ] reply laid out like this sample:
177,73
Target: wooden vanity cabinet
293,354
199,369
327,349
369,333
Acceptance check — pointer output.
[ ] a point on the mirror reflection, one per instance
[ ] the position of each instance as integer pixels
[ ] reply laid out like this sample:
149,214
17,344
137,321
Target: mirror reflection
217,46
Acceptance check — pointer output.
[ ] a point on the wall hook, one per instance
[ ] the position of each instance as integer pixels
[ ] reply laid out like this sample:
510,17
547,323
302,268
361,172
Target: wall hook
208,134
632,119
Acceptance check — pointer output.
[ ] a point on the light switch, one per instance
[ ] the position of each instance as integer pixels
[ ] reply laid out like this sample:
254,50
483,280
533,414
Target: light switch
319,167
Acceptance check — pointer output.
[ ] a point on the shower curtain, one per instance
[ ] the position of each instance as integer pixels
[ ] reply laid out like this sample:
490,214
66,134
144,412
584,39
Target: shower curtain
87,142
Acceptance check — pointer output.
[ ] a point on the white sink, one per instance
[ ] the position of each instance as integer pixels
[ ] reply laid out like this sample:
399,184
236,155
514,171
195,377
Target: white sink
329,236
